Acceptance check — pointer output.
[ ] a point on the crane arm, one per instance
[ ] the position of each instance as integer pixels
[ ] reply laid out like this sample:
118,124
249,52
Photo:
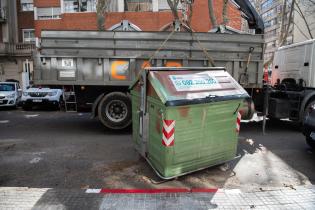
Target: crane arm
250,14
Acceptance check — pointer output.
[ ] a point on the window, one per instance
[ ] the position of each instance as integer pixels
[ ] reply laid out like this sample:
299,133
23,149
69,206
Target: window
27,5
138,5
268,14
271,22
266,4
48,13
79,6
28,35
7,87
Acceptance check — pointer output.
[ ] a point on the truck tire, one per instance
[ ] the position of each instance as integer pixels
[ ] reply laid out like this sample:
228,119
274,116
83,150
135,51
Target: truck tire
114,110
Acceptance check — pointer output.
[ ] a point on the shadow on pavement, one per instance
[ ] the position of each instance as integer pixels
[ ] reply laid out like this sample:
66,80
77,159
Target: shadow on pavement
290,149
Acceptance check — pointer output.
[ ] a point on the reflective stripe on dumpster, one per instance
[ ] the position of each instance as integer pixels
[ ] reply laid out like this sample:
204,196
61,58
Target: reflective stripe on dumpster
168,133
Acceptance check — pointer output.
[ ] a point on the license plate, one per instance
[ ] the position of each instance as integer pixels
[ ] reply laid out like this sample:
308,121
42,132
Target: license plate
37,100
312,135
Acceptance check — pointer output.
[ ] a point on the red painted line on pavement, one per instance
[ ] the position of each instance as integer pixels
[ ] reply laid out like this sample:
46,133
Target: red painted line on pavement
163,190
201,190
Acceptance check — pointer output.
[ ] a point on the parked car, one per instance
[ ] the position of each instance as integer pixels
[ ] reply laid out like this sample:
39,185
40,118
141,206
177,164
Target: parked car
38,96
10,94
309,127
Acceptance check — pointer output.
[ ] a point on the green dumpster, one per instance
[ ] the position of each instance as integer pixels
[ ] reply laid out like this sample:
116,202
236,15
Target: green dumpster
186,120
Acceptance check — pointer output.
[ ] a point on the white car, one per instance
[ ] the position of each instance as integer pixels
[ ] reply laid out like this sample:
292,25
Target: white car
40,97
10,94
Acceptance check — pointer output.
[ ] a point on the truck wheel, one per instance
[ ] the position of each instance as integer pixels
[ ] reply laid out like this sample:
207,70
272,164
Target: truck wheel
114,110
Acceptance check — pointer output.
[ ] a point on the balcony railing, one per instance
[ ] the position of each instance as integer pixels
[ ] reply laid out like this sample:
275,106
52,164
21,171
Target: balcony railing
16,49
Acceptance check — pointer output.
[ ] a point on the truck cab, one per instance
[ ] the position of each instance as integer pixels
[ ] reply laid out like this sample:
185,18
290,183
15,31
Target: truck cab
293,81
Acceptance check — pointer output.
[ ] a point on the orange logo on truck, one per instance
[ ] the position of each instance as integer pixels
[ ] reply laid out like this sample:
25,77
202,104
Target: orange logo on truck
173,64
119,70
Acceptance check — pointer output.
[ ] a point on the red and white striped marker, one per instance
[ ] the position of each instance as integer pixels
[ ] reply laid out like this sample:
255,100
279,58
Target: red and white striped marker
238,122
168,131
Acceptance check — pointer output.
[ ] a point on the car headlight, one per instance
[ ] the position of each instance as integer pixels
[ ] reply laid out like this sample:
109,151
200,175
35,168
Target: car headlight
53,93
25,93
11,95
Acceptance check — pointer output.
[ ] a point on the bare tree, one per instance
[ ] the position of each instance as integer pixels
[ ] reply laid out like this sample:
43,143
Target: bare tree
285,35
224,12
283,15
173,4
285,29
304,19
101,8
213,19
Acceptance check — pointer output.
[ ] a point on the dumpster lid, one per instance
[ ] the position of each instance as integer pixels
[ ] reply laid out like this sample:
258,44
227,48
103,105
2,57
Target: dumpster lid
176,87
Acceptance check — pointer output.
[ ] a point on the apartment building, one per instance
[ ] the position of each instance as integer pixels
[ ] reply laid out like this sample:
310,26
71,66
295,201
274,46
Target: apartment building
271,12
17,38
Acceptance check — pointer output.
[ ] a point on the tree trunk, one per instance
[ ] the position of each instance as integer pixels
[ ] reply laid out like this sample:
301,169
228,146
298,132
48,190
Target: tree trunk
101,8
284,8
224,12
284,38
212,15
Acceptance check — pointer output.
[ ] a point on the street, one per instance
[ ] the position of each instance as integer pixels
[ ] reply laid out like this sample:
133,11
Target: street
48,149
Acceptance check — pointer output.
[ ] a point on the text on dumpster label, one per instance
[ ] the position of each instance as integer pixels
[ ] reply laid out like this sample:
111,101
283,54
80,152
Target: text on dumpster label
194,82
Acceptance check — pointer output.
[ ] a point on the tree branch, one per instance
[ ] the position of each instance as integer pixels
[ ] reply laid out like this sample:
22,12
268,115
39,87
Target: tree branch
173,4
305,21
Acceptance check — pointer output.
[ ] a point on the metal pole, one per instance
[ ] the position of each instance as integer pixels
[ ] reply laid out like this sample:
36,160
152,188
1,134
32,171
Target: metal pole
266,104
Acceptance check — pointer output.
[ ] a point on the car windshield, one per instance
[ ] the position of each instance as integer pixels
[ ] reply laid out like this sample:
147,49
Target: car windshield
7,87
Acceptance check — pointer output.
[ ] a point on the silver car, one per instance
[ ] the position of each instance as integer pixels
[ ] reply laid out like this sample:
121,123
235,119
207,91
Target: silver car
10,94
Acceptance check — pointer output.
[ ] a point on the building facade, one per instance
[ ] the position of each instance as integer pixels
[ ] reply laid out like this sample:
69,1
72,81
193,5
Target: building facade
145,15
17,38
271,11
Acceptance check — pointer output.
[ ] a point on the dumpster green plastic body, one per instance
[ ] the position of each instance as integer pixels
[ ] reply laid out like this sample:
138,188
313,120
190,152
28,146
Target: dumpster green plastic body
185,120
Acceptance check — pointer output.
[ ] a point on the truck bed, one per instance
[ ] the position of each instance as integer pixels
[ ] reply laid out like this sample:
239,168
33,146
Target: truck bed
114,58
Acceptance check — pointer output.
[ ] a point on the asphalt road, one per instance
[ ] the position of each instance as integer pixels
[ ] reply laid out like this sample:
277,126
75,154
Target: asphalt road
71,150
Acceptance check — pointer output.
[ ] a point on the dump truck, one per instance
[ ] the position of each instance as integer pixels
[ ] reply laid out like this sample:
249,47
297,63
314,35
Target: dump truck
293,81
95,68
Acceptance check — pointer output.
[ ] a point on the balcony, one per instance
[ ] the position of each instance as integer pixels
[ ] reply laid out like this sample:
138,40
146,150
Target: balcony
16,49
3,15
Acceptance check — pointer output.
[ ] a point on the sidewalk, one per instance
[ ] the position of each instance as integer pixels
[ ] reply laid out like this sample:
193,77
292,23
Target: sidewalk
272,198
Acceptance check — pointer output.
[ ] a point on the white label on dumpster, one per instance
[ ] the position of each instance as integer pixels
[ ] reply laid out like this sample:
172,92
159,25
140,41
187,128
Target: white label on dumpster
194,82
